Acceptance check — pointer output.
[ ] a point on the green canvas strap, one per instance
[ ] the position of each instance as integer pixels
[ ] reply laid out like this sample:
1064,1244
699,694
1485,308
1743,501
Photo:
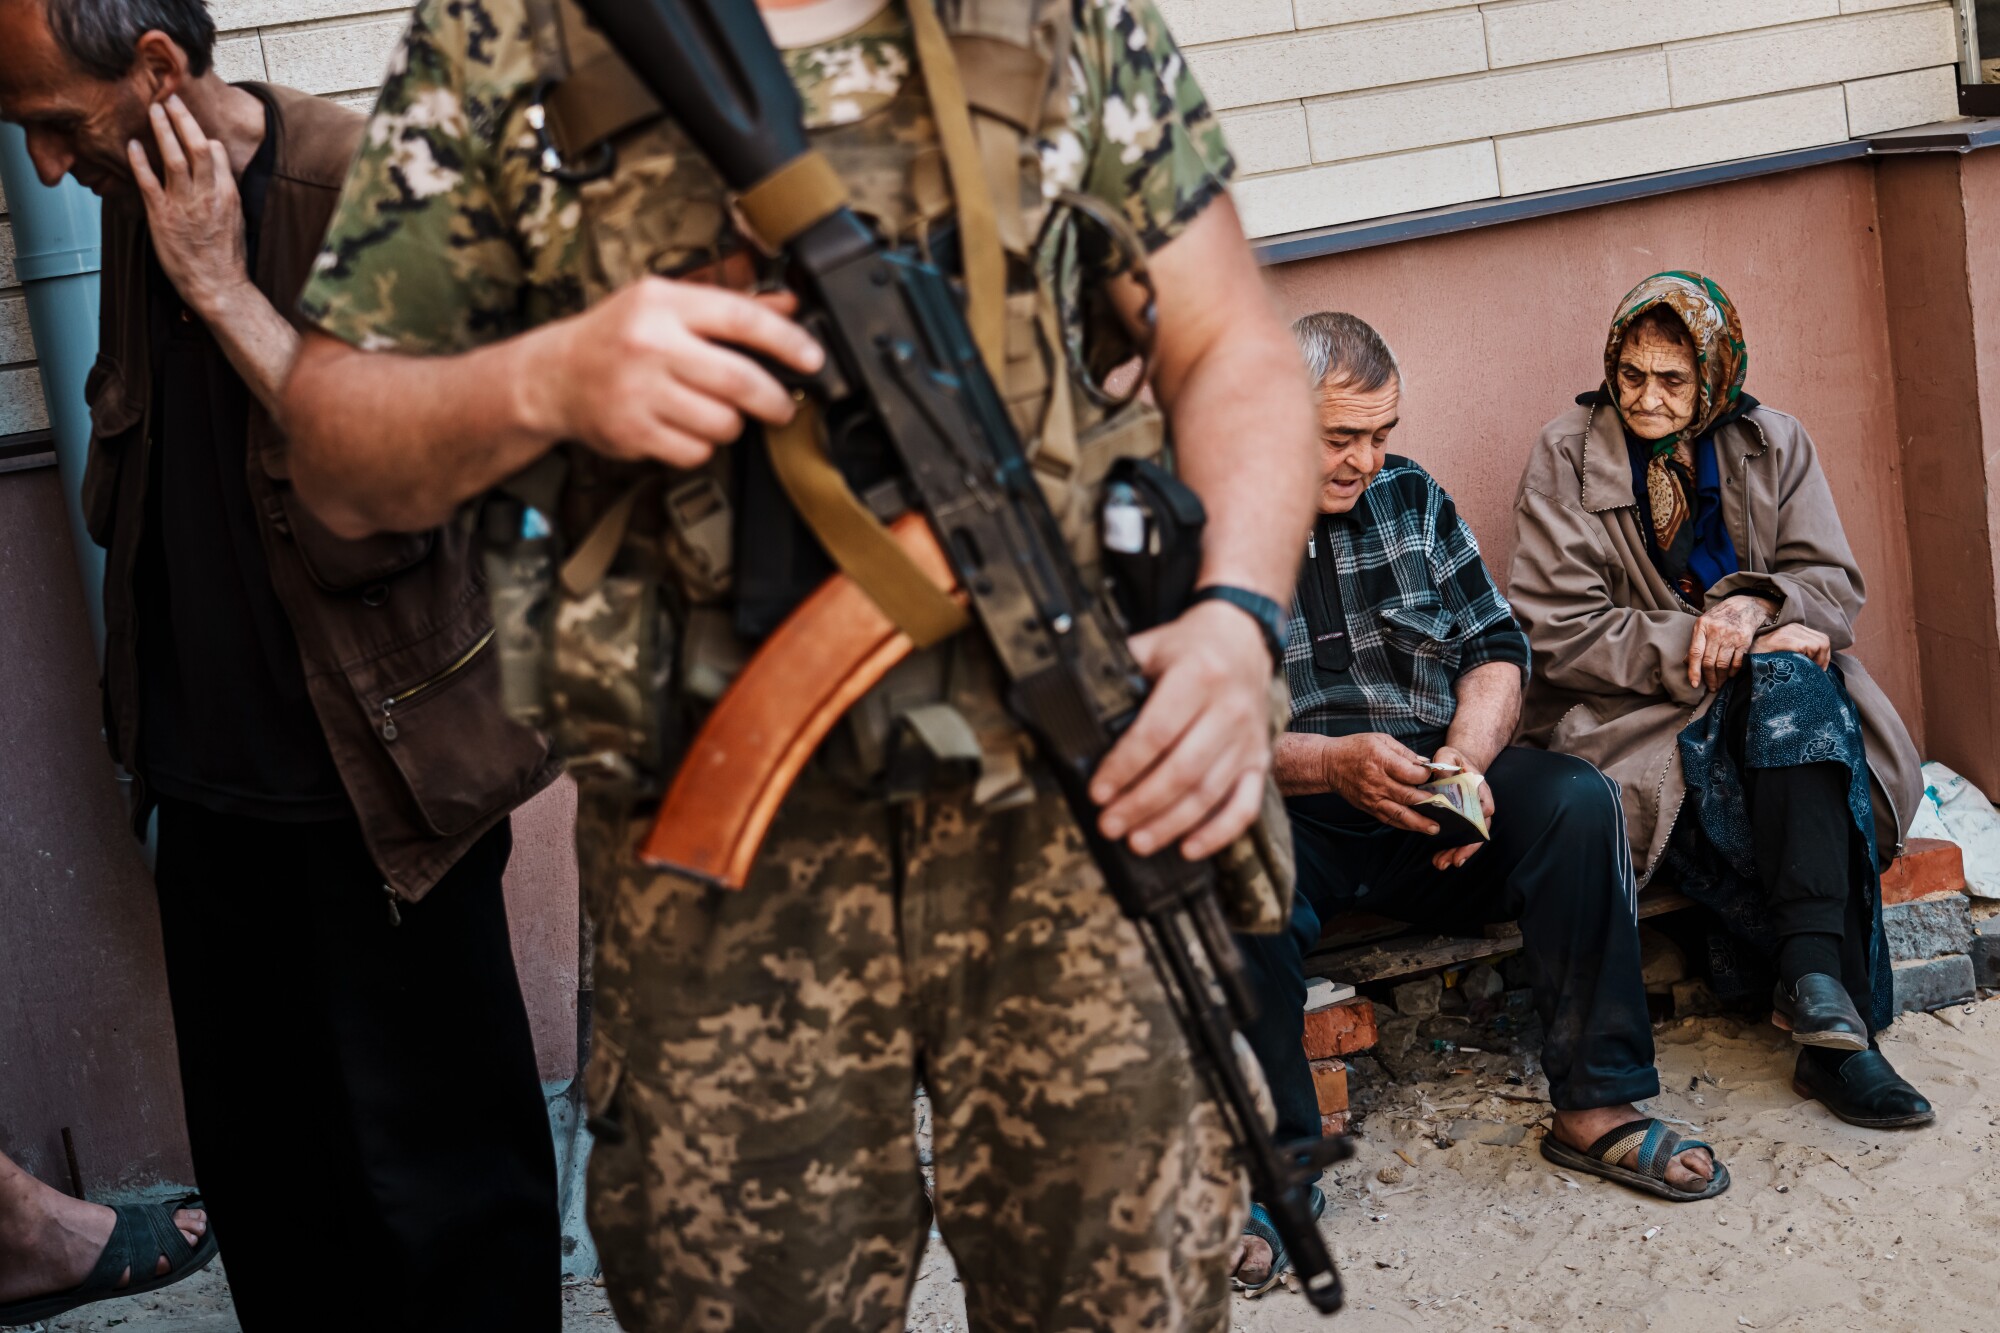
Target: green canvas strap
858,543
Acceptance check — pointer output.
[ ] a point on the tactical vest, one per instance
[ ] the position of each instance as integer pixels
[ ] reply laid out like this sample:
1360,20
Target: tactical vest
618,631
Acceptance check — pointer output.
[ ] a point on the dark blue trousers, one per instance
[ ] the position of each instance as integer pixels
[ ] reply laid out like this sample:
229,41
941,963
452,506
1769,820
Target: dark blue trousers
1558,863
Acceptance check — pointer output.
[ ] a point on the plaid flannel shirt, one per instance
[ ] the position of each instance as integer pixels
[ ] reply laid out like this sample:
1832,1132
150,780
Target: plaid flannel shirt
1421,610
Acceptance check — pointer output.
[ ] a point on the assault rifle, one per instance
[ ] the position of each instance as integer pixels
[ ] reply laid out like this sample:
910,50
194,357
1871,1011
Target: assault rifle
981,535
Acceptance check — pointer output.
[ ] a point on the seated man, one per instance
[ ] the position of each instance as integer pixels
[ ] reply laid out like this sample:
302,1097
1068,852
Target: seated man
1402,650
1692,597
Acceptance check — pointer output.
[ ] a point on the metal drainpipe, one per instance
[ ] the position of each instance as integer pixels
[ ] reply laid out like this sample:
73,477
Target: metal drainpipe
58,250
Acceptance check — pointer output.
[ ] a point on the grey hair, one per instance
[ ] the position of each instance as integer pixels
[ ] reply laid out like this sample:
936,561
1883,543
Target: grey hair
1346,349
102,35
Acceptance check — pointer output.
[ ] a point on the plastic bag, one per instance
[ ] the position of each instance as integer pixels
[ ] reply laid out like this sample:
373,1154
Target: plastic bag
1957,811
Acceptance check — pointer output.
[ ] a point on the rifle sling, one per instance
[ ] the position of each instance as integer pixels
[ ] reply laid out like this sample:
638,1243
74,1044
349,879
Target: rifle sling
792,198
859,544
985,262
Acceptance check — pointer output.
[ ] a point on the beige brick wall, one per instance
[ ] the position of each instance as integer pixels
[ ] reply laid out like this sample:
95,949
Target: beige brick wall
1344,110
338,48
1341,110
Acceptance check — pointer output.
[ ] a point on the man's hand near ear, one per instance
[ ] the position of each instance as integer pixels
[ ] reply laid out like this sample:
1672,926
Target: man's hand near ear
195,217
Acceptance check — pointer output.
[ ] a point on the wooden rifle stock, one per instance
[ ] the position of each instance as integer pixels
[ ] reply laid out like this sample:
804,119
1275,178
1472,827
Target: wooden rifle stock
811,670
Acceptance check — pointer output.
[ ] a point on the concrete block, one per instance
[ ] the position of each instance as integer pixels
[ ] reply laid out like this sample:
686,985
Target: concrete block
1898,101
7,275
1326,13
240,58
1344,1029
335,59
21,406
1868,6
17,340
1928,927
1831,51
1986,954
1419,998
1330,1085
1933,983
1671,140
1365,124
1927,865
1268,138
1377,187
1694,997
1661,962
1196,21
231,15
1558,29
1338,60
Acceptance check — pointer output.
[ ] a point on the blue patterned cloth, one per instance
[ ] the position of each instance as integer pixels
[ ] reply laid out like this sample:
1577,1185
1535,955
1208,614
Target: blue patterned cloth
1798,715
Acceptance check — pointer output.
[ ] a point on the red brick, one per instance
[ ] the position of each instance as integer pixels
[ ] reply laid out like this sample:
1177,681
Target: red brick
1927,866
1341,1029
1333,1124
1330,1083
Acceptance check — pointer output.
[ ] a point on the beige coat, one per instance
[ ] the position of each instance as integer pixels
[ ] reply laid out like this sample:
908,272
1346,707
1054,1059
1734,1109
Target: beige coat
1611,638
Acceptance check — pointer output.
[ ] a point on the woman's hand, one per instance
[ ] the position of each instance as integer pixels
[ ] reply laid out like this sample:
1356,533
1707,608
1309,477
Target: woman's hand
1797,639
1723,638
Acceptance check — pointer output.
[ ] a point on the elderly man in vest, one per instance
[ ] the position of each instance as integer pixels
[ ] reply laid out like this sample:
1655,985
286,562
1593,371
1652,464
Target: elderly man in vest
924,909
1405,662
315,721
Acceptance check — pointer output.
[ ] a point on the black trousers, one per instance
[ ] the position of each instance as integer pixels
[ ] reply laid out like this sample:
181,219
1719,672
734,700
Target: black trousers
367,1123
1811,861
1558,863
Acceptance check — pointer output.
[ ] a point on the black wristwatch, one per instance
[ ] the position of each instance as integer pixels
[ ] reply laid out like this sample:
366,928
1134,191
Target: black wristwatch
1270,617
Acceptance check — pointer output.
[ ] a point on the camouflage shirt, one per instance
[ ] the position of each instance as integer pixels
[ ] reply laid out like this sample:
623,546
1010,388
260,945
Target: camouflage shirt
449,237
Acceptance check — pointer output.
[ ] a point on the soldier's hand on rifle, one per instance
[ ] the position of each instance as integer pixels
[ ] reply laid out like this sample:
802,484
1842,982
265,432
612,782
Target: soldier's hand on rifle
663,370
1191,768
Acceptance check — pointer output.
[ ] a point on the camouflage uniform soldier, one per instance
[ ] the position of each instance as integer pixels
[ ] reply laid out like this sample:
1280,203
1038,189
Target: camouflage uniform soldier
756,1165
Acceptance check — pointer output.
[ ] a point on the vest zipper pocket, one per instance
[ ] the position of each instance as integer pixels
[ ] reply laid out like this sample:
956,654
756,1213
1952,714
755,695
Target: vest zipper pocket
424,687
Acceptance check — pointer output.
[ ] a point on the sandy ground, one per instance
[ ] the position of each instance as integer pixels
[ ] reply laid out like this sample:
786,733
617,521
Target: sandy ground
1826,1228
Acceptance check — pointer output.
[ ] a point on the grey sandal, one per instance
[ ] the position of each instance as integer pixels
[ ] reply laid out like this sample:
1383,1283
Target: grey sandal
1657,1145
143,1232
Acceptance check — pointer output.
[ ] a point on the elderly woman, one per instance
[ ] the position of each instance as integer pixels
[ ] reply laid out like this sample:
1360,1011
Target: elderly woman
1689,596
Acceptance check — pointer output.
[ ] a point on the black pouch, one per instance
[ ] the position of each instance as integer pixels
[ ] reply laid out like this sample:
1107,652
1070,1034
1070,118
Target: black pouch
1149,525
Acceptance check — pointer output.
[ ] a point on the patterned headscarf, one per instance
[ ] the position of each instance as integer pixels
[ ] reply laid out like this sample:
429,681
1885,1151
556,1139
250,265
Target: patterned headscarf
1721,363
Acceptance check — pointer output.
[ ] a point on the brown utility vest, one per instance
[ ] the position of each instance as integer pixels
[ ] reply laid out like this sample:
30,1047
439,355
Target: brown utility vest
636,611
395,631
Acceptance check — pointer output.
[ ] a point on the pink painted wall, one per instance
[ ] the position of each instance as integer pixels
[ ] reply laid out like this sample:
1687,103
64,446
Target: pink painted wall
1500,328
86,1039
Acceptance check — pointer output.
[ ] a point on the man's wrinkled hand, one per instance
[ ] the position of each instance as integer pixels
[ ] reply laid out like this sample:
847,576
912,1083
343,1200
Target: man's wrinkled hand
1722,639
1380,776
664,371
1451,858
1191,767
192,209
1799,639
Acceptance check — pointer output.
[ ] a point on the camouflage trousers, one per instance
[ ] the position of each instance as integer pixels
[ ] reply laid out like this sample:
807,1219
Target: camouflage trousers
758,1052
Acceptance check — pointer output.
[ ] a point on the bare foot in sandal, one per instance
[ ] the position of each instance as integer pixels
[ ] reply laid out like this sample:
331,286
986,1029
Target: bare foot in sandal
51,1242
1689,1172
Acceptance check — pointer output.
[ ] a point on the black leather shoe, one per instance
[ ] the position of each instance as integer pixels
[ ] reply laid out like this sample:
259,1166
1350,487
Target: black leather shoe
1818,1012
1864,1090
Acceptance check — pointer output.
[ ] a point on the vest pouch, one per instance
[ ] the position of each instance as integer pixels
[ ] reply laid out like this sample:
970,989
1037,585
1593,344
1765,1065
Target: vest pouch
1136,431
1149,528
112,417
336,564
434,707
609,665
